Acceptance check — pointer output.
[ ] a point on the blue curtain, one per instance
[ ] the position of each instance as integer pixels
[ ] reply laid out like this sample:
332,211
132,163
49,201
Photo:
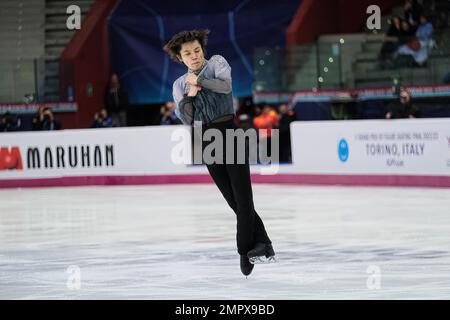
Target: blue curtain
138,29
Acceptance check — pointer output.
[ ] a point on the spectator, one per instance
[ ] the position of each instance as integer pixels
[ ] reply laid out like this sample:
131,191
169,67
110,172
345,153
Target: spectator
243,118
419,47
36,123
267,120
102,120
167,114
286,116
412,10
406,34
9,123
424,31
116,102
392,38
49,122
403,108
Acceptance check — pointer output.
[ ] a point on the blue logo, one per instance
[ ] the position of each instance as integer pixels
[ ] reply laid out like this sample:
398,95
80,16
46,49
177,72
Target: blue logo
343,150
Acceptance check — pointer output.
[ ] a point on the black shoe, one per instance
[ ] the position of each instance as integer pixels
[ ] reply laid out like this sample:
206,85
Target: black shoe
246,266
261,251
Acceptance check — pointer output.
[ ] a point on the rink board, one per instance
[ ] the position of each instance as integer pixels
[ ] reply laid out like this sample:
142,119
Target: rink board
407,152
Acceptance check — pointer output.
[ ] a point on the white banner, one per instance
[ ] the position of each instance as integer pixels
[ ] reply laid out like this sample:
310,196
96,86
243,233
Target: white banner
88,152
403,146
367,147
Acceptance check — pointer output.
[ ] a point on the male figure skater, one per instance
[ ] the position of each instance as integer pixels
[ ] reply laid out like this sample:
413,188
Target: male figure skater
204,94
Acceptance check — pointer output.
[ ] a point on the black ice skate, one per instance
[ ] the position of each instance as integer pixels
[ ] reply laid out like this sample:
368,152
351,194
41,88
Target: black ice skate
261,253
246,266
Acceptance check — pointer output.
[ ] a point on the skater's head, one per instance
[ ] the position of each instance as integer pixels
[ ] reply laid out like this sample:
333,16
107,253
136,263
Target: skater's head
188,47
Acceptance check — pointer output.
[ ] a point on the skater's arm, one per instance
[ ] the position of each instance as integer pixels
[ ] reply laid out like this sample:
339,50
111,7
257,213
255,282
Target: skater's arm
222,76
184,105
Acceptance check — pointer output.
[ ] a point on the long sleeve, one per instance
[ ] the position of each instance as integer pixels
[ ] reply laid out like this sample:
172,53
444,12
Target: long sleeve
184,105
216,85
222,76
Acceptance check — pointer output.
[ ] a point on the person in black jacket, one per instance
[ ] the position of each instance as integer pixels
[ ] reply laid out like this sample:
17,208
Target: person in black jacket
9,122
402,108
48,121
392,37
116,102
286,116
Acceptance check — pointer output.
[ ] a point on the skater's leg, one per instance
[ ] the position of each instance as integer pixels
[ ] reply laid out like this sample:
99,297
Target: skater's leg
250,228
219,174
260,230
238,195
222,180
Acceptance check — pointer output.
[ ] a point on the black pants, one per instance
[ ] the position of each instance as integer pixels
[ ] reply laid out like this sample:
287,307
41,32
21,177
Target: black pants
233,181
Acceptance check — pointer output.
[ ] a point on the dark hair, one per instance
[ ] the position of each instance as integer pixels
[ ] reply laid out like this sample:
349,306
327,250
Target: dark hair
173,47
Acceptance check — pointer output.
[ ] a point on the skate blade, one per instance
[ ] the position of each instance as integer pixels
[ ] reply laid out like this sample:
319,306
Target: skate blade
262,259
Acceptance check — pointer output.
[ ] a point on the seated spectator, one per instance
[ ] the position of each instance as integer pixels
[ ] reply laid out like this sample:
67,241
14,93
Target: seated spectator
424,31
402,108
392,38
8,123
48,121
406,34
167,114
102,120
36,123
419,47
412,11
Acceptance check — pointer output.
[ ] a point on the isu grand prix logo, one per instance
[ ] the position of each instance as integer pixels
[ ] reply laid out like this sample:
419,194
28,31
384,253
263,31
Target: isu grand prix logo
10,158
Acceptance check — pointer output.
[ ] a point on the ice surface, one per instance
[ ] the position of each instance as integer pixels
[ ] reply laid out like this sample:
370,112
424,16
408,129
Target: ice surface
178,242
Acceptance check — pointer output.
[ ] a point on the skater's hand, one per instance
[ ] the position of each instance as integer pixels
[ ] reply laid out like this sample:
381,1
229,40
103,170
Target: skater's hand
191,79
193,90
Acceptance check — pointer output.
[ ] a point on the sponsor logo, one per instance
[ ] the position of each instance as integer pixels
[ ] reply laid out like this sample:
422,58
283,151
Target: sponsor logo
81,156
10,158
343,151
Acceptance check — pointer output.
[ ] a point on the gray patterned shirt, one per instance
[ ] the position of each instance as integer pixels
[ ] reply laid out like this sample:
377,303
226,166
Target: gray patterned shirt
214,101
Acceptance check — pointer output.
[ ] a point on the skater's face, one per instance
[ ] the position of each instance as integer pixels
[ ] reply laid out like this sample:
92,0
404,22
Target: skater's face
191,54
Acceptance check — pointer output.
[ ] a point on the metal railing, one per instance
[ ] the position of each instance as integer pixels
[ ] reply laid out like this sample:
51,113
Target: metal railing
343,62
22,80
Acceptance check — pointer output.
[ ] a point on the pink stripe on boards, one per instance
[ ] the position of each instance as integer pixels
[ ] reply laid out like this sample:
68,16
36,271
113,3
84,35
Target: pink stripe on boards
105,180
355,180
301,179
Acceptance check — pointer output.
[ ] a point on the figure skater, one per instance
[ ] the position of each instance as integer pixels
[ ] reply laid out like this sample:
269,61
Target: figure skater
204,94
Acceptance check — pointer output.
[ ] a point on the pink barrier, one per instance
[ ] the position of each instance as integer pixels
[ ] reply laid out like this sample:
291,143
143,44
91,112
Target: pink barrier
302,179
